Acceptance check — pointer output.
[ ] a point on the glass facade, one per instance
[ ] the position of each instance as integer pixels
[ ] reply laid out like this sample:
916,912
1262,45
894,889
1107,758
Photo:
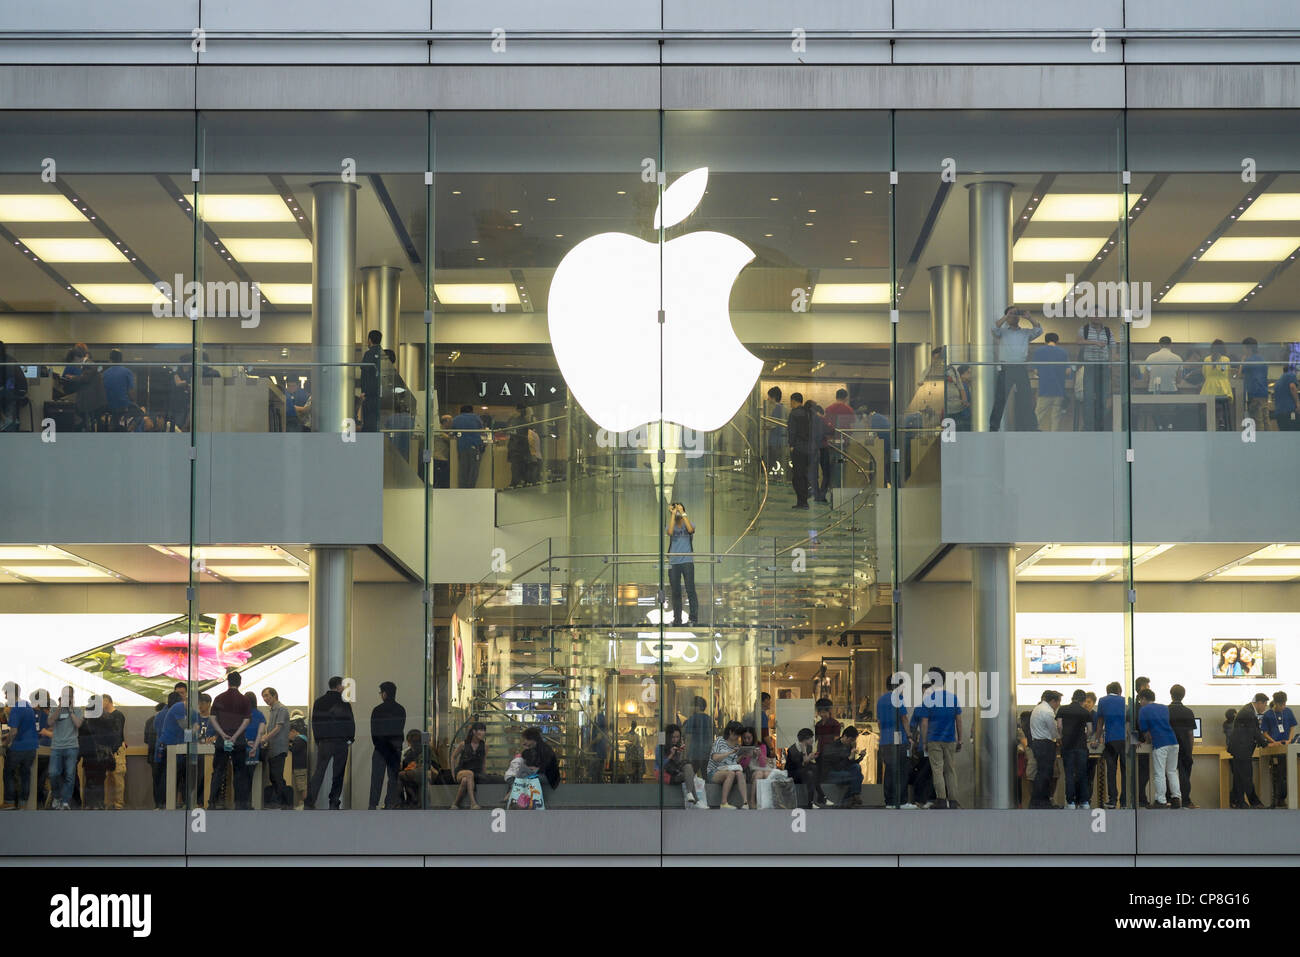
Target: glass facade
630,445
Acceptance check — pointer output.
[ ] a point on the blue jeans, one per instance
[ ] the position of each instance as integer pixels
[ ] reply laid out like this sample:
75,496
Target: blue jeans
851,779
63,771
1076,776
18,777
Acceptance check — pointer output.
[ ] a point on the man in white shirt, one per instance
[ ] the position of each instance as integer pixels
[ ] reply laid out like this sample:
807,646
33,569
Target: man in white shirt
1163,370
1044,732
1013,372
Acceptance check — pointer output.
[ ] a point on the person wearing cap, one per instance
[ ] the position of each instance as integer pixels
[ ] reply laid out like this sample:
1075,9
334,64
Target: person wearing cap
1154,720
1276,724
1243,739
1044,732
387,726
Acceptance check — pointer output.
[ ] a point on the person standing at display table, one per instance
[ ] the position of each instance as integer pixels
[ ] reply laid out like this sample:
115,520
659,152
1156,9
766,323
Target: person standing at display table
1154,720
1012,371
1183,721
681,536
1217,368
1243,739
115,780
231,714
1140,684
276,737
798,429
297,407
891,718
21,741
1075,722
1094,747
99,741
941,738
776,433
169,729
1286,402
1113,731
1277,724
65,722
1044,733
1097,347
1254,382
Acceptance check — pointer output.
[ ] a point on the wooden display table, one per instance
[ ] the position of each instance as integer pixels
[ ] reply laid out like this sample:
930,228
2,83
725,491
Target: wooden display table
205,752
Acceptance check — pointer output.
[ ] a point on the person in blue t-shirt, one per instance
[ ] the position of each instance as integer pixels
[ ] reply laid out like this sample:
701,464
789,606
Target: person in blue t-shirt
170,724
21,753
1276,723
941,737
469,445
1286,402
1051,366
1254,380
1154,720
891,715
1112,720
119,390
256,721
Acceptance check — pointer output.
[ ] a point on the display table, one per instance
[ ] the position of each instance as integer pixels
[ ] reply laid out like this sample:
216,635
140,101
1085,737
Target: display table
44,752
1149,402
205,752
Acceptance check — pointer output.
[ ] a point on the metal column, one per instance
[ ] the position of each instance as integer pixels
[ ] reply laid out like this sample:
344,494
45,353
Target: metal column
993,594
948,310
990,287
334,295
381,303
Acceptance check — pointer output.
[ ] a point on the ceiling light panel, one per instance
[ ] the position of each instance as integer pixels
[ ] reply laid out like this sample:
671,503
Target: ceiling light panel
476,294
287,293
1275,207
120,293
242,208
88,250
270,250
1245,249
1082,208
1206,292
1056,250
40,208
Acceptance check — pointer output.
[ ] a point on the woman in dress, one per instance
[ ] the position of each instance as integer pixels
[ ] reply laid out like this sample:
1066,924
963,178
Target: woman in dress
467,759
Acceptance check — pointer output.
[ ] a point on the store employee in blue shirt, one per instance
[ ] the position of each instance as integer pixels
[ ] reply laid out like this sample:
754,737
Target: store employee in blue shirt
1277,723
22,750
1154,720
1051,366
941,737
171,725
1111,714
891,714
469,445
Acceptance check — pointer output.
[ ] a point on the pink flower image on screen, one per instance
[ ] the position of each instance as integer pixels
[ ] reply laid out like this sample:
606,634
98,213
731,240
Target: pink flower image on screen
168,656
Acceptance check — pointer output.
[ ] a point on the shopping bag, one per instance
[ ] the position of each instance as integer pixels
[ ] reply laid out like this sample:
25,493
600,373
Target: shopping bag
783,793
701,794
763,793
526,795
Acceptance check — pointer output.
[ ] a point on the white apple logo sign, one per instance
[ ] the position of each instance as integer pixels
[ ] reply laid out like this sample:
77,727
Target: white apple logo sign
603,316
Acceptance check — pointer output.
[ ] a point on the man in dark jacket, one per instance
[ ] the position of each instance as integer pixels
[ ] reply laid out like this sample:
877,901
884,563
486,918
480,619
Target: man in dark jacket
372,363
334,729
839,765
1243,739
798,430
1183,721
387,725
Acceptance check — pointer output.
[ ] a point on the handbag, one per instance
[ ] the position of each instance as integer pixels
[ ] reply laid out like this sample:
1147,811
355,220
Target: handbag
526,795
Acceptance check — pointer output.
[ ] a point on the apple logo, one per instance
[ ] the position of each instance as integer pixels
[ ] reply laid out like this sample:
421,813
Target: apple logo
603,316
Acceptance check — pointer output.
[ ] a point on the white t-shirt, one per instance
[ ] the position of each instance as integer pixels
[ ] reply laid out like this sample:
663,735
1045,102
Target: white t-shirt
1162,368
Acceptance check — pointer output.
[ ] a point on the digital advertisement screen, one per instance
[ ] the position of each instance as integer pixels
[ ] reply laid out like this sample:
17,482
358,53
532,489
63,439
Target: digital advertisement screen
1048,657
137,658
1242,658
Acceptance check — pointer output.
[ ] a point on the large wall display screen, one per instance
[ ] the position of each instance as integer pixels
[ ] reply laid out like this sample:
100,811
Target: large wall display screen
137,658
1220,658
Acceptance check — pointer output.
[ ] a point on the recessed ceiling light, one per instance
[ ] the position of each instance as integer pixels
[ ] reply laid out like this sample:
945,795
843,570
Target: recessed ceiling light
866,192
807,224
88,250
774,199
1275,206
242,208
119,293
473,242
476,294
848,259
1081,208
287,293
1251,249
270,250
622,192
482,259
850,293
1056,250
455,192
1207,291
812,210
853,242
514,212
559,235
550,199
518,225
279,570
40,208
767,235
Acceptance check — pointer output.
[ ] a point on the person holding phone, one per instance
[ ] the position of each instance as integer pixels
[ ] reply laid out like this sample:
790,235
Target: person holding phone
671,763
725,768
681,536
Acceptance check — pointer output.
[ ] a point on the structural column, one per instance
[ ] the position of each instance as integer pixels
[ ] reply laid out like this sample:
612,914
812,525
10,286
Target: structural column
990,287
993,583
949,310
333,305
381,303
